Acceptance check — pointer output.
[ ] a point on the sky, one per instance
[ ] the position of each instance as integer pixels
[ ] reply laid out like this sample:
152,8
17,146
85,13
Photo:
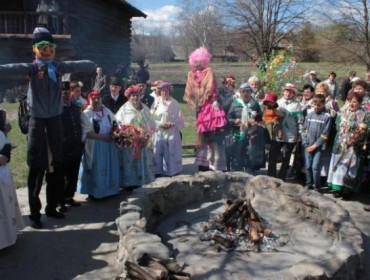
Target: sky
160,14
152,4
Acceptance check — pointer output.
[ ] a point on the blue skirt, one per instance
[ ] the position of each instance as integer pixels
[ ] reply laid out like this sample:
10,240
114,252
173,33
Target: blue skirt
136,172
102,179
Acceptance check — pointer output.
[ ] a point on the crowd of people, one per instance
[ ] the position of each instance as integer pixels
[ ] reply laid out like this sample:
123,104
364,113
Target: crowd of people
121,137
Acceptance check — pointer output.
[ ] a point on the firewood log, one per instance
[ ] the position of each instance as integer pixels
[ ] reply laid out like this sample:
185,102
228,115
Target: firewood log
252,213
258,226
134,275
227,243
133,267
158,274
242,219
254,236
232,208
148,261
172,265
179,277
267,232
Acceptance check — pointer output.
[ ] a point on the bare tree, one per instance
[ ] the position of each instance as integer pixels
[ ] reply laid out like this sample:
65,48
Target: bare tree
350,19
305,43
263,24
199,24
150,44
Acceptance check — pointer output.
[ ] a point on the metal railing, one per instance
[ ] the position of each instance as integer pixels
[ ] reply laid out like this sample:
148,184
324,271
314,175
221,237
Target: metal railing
25,22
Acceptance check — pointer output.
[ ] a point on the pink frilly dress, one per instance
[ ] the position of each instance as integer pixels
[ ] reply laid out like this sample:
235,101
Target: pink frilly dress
200,94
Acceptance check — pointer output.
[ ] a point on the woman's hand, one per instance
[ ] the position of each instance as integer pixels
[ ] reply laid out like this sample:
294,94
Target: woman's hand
216,106
167,125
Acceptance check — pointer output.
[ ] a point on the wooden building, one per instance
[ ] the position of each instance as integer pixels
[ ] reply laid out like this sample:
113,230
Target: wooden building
98,30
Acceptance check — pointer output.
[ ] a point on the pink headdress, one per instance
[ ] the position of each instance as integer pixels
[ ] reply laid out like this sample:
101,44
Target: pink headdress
165,86
132,89
200,56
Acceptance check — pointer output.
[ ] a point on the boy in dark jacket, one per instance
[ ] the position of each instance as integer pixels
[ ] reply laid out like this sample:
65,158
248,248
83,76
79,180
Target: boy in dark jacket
314,136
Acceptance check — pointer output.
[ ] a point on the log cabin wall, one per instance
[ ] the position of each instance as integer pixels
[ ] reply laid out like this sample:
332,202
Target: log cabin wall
99,30
102,32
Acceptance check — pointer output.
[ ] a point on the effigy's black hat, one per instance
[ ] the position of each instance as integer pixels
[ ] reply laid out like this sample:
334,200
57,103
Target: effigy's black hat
42,36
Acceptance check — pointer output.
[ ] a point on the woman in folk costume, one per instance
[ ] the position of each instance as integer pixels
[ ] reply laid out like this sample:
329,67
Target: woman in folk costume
99,169
135,123
166,138
10,215
201,95
242,117
351,148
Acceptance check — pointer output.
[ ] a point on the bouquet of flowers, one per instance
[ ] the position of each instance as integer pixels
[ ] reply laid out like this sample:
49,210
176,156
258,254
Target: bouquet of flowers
131,136
356,136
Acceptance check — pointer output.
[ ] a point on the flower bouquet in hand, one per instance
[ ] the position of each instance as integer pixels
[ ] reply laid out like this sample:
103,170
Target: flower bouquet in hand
131,136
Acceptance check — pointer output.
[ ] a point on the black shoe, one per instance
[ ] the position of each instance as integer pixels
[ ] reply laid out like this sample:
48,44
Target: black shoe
337,194
203,168
93,198
346,196
62,208
130,188
71,202
54,214
36,223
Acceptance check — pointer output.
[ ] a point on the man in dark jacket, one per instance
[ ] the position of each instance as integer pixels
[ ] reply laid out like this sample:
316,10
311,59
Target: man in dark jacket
347,85
115,99
72,148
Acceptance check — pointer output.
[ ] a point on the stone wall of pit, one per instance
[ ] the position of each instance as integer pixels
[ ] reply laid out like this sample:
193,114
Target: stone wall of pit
165,196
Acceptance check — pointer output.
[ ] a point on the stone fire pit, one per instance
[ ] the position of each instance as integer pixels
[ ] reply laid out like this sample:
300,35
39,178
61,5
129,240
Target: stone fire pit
317,238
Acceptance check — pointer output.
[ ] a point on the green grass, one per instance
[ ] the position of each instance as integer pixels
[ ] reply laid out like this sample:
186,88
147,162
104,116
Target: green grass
18,163
175,73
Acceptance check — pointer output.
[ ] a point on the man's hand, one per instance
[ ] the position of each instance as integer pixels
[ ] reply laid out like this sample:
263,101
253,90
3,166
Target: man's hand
3,160
311,148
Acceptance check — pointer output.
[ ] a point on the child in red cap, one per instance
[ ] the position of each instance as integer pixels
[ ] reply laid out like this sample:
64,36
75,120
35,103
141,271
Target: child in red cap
271,116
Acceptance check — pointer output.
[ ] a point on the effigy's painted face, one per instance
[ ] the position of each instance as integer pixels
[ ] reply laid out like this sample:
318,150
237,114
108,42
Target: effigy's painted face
45,52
